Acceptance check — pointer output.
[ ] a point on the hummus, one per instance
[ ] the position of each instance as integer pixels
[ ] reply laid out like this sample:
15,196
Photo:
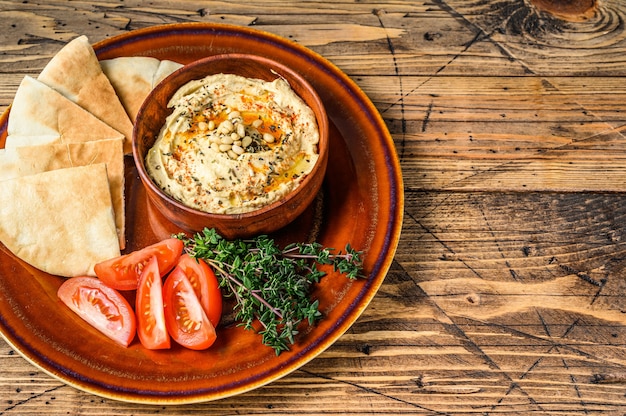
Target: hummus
234,144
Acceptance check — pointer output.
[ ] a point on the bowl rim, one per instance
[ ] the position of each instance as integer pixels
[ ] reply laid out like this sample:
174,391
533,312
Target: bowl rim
322,125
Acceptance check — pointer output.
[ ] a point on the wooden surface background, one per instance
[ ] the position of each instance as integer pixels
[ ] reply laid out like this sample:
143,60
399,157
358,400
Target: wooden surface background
509,118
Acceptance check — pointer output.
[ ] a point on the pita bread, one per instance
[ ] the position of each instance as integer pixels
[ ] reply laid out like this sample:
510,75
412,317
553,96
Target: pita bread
60,221
16,140
38,110
16,162
75,72
134,77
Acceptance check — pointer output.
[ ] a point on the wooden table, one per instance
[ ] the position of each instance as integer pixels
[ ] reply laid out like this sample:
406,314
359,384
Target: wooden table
509,118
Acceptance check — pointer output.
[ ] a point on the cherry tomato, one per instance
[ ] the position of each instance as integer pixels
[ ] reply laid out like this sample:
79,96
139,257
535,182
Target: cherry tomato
205,285
102,307
151,327
122,273
186,321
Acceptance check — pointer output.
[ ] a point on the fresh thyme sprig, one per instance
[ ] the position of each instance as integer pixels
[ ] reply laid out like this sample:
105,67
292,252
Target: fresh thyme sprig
270,284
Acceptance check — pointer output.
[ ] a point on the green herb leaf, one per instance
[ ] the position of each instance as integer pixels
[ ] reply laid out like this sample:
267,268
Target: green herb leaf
270,285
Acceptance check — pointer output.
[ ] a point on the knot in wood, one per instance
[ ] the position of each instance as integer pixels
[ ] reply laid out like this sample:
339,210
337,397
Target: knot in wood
570,10
473,298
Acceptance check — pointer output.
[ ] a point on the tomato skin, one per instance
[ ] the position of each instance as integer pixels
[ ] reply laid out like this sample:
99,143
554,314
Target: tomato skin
186,321
205,285
151,327
122,273
102,307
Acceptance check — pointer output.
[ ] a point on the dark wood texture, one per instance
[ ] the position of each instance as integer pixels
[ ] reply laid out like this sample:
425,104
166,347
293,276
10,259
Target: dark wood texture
506,293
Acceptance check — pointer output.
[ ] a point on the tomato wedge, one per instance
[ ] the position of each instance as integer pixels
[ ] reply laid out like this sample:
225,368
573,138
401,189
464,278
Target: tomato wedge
205,285
122,273
151,327
102,307
186,321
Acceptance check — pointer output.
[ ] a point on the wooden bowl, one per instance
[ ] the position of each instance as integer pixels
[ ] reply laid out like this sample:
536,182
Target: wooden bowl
151,118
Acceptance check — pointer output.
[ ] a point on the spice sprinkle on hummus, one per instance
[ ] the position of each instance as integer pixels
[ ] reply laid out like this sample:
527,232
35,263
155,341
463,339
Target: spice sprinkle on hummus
234,144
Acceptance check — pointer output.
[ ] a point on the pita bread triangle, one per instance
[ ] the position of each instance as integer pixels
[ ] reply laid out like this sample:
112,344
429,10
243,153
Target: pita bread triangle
16,162
38,110
57,226
133,77
75,72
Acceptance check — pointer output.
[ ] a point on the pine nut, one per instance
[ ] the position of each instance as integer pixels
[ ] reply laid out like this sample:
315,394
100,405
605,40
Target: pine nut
257,123
237,149
246,141
241,130
225,147
227,126
268,138
211,125
226,140
202,126
234,114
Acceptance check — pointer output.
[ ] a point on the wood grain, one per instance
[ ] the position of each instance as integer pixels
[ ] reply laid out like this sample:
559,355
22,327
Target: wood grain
506,293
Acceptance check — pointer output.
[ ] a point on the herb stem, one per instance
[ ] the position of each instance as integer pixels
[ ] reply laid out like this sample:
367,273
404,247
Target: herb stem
232,279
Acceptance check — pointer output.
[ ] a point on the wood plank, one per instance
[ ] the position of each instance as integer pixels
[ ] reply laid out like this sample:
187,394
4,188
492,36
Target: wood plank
457,136
548,45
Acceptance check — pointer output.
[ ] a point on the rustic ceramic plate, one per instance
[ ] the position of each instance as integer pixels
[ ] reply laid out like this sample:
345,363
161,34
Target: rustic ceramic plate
361,203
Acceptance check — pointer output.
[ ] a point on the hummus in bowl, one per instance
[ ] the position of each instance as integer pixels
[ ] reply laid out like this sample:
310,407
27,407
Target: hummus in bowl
234,142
